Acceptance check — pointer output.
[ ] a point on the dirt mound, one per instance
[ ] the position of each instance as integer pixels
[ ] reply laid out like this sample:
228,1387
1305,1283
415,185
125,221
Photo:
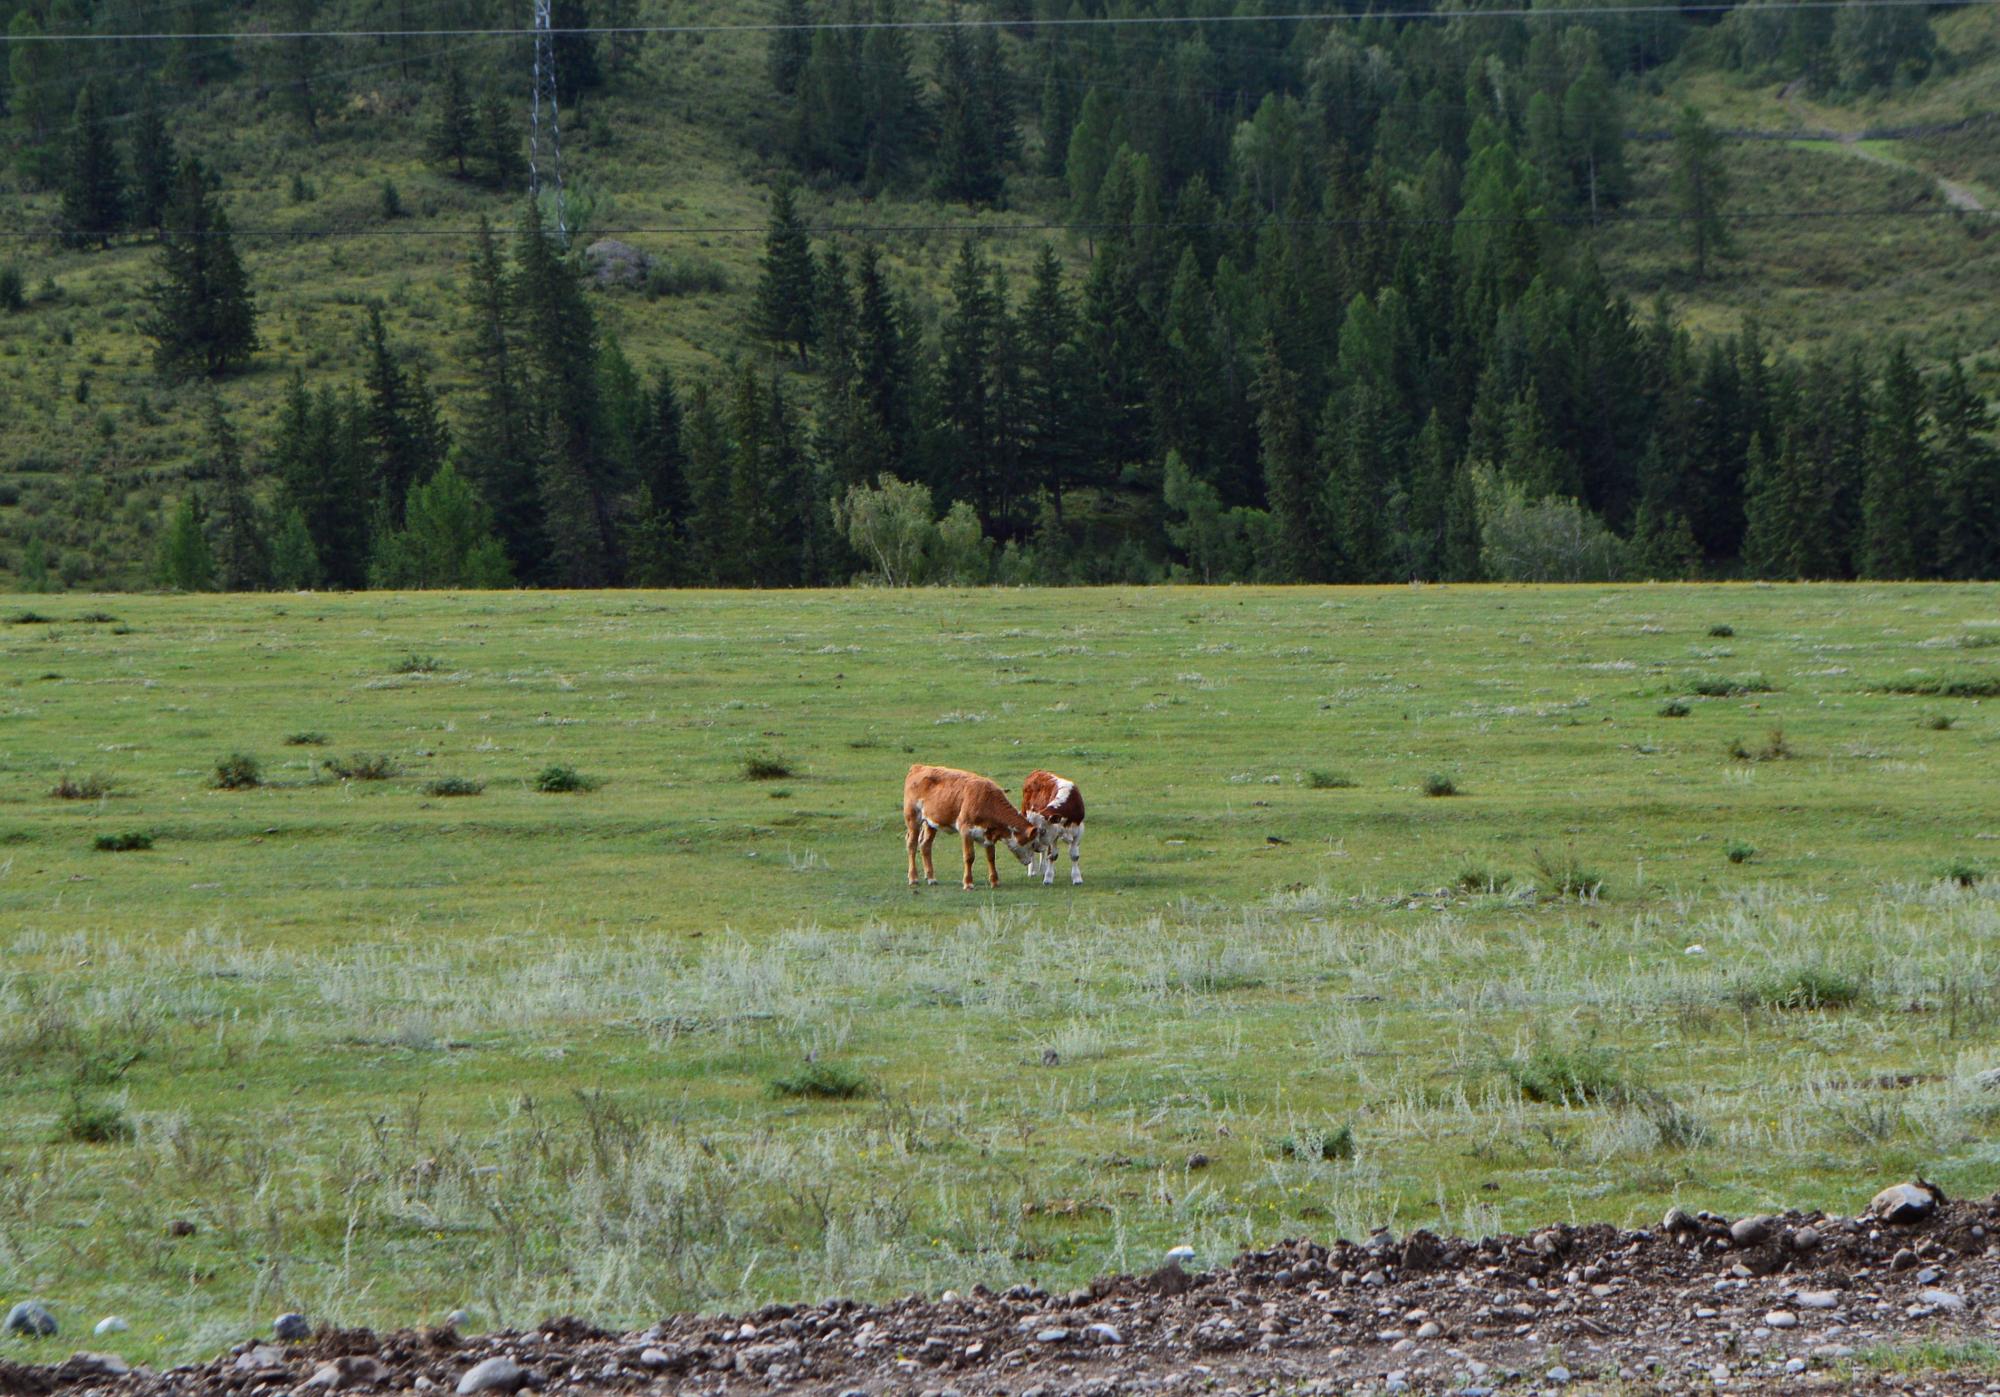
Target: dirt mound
1786,1302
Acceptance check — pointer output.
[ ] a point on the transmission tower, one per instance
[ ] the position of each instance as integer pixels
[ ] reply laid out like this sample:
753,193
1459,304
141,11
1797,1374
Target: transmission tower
545,91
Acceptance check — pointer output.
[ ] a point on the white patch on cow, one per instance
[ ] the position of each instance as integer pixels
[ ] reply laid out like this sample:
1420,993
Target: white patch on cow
1064,790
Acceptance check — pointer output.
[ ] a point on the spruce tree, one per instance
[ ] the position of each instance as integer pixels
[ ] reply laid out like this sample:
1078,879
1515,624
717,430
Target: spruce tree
446,540
93,189
1049,367
294,560
1897,469
455,129
713,541
203,319
153,163
184,562
965,387
783,310
499,144
1291,476
967,166
791,46
403,424
1700,187
1968,479
495,449
242,553
894,107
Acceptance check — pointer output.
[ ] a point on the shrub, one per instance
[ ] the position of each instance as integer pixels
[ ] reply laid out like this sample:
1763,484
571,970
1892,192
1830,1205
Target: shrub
675,275
1739,852
1815,986
80,788
1722,632
238,772
454,786
97,618
13,289
1678,1127
1720,686
364,767
1335,1144
1945,686
1565,875
418,664
767,766
30,618
559,780
121,843
1329,780
1775,748
1962,872
90,1121
1939,722
830,1081
1474,878
1568,1075
1439,784
1674,708
306,739
392,200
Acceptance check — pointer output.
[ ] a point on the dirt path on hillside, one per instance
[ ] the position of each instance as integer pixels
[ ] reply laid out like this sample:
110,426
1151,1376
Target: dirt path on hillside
1958,196
1795,1303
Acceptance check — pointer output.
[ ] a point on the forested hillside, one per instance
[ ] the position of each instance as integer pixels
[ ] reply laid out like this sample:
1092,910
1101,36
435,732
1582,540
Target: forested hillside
1031,291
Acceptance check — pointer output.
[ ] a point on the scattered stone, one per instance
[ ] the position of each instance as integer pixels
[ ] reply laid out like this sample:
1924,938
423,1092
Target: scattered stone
458,1319
260,1358
1750,1232
180,1227
1052,1336
654,1358
1430,1329
1181,1256
1942,1300
111,1324
1903,1260
494,1375
1806,1239
1559,1375
96,1365
30,1317
1105,1334
1796,1365
1782,1319
1929,1275
1906,1203
291,1325
1817,1299
1677,1223
349,1370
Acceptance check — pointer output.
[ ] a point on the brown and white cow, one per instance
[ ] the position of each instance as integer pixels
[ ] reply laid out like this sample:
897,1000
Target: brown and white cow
941,797
1054,806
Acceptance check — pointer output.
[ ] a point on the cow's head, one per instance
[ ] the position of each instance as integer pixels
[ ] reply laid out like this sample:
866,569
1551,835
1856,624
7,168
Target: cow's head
1024,841
1038,823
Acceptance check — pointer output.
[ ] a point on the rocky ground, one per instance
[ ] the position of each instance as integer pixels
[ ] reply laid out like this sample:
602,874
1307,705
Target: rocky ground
1905,1297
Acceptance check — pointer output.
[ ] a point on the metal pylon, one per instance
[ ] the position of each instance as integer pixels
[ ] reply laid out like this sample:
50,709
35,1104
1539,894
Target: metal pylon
545,91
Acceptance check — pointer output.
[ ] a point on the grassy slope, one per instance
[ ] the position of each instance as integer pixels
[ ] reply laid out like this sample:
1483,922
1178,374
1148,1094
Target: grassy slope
394,1054
699,155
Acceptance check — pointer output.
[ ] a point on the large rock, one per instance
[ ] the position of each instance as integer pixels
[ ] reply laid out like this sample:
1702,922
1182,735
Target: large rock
494,1375
615,264
292,1325
30,1317
1906,1203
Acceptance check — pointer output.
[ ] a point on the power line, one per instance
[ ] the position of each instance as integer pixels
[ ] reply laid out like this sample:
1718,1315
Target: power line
1077,22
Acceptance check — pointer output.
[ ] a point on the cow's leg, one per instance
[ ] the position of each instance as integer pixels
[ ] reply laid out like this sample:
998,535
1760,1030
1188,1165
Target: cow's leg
1075,855
992,868
926,836
910,825
966,839
1046,857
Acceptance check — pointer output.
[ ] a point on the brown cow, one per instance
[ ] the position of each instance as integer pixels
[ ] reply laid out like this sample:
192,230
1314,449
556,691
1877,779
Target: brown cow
939,797
1054,806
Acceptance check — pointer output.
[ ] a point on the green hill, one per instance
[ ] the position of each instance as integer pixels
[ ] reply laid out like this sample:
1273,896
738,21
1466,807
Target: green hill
676,154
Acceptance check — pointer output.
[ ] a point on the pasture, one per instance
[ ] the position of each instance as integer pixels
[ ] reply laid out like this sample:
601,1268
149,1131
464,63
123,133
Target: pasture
683,1037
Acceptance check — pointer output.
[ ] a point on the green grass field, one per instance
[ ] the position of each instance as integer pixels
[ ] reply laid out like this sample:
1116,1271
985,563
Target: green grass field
394,1052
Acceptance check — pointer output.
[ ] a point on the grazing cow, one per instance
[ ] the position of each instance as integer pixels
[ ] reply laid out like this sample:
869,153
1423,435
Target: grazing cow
938,797
1055,807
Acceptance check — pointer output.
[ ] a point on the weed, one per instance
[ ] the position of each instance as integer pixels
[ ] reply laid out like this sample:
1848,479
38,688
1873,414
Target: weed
1739,851
1722,632
560,780
306,739
417,664
97,618
454,786
1678,1127
1475,878
1565,875
80,788
89,1120
1812,986
237,772
121,843
766,766
1335,1144
1963,872
1329,781
1944,686
1568,1075
1720,686
831,1081
1775,748
1439,784
1674,708
1939,722
30,618
1936,1354
364,767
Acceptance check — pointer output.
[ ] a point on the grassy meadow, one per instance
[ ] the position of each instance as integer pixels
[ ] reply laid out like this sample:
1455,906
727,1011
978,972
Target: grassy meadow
685,1038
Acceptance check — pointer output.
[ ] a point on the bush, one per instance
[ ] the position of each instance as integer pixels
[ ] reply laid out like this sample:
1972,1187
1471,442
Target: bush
1335,1144
1805,987
238,772
680,275
13,289
826,1080
1565,875
766,767
1439,784
1775,748
1945,686
1329,780
90,1121
418,664
1727,686
559,780
1545,540
1568,1076
454,786
30,618
392,201
97,618
1722,632
80,788
1962,872
1939,722
1739,852
121,843
306,739
1474,878
362,767
1674,708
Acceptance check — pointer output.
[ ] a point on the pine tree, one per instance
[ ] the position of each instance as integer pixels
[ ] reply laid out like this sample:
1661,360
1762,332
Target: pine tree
93,190
830,124
403,424
894,107
34,79
1767,509
994,84
183,561
967,167
783,311
496,449
294,561
319,458
1700,187
1291,477
1049,365
713,539
153,163
242,553
885,373
455,134
203,318
1968,479
791,47
498,144
1897,464
446,540
965,388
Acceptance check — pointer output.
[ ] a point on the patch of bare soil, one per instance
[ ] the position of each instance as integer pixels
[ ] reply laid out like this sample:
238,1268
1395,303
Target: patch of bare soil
1792,1303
